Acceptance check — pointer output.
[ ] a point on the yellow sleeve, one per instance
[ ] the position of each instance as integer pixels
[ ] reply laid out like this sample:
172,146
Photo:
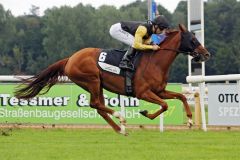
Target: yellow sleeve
138,39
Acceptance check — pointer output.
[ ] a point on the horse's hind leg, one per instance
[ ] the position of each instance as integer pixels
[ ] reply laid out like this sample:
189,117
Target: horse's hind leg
106,116
96,102
83,71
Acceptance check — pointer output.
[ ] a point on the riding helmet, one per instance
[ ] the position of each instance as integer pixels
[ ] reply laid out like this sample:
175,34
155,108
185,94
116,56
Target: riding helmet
161,21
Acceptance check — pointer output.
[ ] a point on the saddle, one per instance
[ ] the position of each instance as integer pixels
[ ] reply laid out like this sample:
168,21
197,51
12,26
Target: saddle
109,60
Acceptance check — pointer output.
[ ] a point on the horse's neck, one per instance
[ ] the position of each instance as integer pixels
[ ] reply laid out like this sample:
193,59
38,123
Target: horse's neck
164,58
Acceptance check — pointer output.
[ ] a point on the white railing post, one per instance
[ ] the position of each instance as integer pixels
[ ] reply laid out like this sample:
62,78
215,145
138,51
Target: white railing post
161,122
202,96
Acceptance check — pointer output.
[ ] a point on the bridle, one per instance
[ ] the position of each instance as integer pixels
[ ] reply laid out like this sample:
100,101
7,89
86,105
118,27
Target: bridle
178,51
192,53
175,50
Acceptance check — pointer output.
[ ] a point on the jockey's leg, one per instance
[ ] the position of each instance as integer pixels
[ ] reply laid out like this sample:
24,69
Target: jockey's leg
118,33
173,95
126,62
153,98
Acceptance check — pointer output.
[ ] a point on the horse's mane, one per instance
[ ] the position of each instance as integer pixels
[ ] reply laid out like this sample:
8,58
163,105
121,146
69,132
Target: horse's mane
170,33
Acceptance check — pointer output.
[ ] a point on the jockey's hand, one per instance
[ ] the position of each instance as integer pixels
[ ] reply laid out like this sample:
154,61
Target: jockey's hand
156,47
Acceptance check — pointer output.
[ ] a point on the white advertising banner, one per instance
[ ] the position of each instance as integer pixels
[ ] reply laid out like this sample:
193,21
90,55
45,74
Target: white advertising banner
223,104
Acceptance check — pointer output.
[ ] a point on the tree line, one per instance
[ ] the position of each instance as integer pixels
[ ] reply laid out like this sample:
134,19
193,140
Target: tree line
29,43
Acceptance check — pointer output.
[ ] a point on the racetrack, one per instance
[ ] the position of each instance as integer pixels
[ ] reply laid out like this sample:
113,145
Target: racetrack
104,144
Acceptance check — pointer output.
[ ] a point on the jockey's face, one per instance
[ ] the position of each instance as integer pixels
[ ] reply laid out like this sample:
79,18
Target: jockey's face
157,30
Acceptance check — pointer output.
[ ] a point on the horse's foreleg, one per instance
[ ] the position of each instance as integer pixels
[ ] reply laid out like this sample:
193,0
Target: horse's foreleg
174,95
153,98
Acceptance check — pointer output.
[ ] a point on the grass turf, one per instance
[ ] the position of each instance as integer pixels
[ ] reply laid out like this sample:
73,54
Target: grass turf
104,144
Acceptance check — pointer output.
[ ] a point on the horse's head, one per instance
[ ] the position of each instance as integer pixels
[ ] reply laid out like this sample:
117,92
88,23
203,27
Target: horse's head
190,44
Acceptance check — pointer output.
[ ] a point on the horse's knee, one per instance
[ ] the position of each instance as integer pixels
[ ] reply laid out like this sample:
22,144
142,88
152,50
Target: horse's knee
182,98
164,108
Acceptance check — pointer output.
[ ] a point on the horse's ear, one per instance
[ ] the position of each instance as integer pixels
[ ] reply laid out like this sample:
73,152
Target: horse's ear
182,28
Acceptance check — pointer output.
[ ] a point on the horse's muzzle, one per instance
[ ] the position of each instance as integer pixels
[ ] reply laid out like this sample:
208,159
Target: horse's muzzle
201,57
205,57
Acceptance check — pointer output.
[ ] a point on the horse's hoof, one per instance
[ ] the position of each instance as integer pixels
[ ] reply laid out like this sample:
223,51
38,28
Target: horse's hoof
124,133
144,113
190,123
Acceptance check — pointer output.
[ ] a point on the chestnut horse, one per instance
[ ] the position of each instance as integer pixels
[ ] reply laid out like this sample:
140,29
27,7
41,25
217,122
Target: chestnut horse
149,82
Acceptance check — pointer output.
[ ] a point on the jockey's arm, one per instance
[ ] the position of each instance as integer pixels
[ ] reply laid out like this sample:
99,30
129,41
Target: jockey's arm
147,41
138,39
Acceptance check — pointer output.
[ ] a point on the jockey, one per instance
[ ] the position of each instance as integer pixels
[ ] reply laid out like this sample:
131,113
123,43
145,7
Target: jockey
138,36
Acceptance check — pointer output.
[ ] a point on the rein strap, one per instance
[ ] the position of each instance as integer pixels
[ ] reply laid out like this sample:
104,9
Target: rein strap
174,50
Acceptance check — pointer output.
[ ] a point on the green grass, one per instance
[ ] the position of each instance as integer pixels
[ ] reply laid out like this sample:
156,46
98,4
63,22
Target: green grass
104,144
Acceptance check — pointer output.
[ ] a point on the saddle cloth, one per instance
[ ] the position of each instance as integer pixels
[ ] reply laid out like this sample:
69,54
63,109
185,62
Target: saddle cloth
109,60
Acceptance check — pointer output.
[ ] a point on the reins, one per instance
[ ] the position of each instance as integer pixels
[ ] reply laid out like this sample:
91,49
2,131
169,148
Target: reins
174,50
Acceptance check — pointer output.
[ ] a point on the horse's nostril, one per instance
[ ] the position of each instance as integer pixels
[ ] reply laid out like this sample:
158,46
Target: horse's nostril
208,55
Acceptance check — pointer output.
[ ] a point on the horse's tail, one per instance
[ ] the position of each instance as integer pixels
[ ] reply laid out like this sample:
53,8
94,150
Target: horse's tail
44,80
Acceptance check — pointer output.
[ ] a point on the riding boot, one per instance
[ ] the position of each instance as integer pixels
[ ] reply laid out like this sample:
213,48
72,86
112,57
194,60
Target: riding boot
126,62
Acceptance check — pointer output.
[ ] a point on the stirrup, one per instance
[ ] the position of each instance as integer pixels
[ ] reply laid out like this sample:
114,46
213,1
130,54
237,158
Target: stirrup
126,65
131,66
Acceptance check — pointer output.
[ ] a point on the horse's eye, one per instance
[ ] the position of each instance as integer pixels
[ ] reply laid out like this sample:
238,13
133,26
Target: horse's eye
194,41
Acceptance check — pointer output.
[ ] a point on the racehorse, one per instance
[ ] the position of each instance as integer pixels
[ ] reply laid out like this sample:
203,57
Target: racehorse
149,82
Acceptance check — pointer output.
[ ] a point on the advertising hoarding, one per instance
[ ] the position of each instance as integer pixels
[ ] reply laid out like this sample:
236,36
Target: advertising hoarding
223,104
69,104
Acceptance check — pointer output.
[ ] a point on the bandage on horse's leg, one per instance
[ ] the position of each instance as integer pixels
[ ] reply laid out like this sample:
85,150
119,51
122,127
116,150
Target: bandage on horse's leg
121,118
